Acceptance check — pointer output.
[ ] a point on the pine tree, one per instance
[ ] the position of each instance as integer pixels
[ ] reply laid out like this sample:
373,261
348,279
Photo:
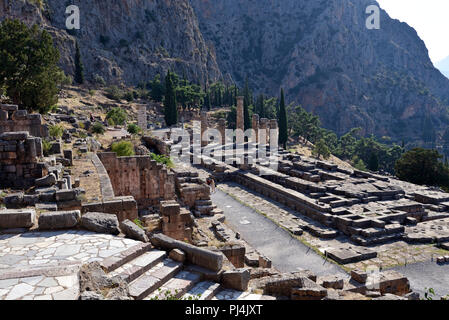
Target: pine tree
283,122
33,86
79,67
170,104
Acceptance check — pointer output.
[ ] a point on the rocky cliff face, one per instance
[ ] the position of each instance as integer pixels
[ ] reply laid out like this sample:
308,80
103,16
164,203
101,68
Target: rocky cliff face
125,40
318,50
326,59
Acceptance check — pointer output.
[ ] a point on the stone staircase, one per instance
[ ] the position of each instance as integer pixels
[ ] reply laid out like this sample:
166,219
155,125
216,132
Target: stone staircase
151,275
205,208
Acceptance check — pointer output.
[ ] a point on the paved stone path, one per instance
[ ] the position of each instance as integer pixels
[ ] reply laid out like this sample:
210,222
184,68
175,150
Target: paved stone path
427,275
44,265
43,248
41,287
287,253
389,254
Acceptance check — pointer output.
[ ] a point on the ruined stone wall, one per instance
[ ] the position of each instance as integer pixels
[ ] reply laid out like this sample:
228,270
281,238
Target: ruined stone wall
19,160
162,147
12,120
177,222
141,177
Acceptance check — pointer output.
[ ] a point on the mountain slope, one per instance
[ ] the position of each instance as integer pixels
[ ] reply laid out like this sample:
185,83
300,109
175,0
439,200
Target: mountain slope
125,40
443,66
326,59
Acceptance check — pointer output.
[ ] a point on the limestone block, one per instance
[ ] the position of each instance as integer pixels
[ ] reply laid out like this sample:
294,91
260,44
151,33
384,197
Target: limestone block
237,279
11,219
195,255
177,255
10,136
47,181
100,222
133,231
59,220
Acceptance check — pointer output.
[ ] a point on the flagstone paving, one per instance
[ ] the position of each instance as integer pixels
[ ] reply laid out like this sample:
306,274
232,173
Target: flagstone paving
44,265
44,248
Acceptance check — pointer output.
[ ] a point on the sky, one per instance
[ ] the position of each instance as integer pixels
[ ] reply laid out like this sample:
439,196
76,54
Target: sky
428,17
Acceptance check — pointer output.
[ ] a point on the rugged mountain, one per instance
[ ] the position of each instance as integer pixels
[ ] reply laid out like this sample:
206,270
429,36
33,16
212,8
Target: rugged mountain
328,61
124,40
443,66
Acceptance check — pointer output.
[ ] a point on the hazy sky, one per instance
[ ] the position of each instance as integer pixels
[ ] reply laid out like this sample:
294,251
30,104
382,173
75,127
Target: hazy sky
428,17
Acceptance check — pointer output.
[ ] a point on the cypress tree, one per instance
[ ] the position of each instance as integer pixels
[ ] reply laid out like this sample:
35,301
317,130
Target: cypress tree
283,124
208,103
79,67
170,104
260,106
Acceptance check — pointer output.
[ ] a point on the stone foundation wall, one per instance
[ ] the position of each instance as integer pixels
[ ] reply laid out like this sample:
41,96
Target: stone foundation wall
12,119
177,222
123,207
19,160
141,177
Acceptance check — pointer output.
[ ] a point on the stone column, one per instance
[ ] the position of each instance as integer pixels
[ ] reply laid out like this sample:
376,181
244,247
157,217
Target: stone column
263,131
203,127
240,123
222,129
274,126
142,118
256,127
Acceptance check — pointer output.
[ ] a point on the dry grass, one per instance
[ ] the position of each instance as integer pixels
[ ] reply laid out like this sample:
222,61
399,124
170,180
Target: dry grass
90,184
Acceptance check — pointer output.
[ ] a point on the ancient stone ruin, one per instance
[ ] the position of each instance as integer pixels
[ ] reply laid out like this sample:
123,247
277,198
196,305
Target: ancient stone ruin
12,120
20,156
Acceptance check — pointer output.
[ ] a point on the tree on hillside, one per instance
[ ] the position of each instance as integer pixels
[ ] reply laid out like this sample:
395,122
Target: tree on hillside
321,150
170,104
283,122
207,105
424,167
157,88
28,66
79,67
260,106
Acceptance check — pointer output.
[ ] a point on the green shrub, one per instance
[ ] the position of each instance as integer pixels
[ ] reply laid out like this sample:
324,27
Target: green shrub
162,159
114,93
46,146
56,131
117,115
123,148
134,129
98,128
129,96
99,80
139,223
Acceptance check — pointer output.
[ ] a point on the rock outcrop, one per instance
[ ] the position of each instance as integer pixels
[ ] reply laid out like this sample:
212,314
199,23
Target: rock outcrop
125,40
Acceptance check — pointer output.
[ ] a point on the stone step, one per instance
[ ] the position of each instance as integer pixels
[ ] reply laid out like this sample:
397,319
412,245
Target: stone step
112,263
135,268
154,279
203,203
216,211
176,287
205,209
230,294
205,290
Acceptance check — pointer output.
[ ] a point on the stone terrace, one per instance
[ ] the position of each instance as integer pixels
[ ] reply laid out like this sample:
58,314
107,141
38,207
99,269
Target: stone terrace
369,209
